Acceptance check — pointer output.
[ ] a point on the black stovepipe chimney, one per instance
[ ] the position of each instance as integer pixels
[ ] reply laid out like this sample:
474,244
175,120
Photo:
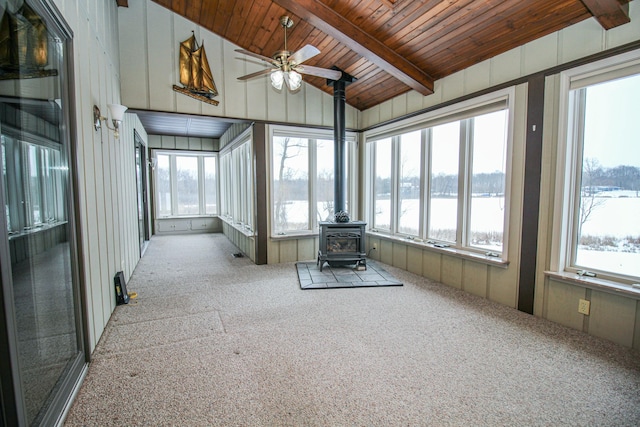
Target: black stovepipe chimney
339,140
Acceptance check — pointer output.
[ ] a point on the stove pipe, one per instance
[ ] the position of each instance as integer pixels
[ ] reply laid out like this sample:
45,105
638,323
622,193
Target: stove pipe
339,140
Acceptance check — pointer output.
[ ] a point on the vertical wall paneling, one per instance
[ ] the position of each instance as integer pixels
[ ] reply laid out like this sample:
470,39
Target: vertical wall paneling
414,260
235,90
134,47
313,106
561,296
160,40
475,278
612,317
102,162
582,39
540,54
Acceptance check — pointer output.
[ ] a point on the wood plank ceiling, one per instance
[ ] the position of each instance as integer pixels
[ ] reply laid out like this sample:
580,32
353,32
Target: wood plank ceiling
393,46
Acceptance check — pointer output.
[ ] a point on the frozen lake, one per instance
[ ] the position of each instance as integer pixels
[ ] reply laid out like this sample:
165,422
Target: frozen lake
616,217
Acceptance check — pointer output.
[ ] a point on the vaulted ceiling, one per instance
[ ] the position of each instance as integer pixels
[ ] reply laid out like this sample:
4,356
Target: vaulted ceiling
392,46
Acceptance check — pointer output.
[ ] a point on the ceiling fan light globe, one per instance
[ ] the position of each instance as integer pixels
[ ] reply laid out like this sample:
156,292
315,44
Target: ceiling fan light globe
277,79
294,80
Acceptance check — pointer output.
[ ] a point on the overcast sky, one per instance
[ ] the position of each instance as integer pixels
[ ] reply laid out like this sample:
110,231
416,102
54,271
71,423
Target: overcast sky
612,131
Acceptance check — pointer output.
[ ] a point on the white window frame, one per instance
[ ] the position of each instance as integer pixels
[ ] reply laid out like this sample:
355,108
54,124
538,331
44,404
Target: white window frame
569,165
461,111
236,183
313,135
200,155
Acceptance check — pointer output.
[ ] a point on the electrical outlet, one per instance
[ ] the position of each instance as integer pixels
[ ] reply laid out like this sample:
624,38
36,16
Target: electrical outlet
584,306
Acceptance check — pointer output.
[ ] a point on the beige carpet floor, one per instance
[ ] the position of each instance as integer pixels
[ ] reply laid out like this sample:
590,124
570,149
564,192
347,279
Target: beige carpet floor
214,340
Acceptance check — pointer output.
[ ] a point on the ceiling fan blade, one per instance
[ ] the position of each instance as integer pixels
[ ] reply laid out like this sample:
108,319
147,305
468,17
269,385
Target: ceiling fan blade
256,74
301,55
319,72
261,57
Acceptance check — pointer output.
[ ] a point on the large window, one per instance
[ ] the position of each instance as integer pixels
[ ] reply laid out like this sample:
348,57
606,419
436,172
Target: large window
443,180
236,184
602,204
302,185
186,184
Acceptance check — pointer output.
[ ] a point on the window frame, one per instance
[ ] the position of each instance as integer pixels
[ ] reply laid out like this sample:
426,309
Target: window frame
570,162
236,178
200,155
313,135
464,112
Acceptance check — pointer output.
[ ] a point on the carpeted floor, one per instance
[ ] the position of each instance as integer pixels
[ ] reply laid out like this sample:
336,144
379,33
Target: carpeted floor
214,340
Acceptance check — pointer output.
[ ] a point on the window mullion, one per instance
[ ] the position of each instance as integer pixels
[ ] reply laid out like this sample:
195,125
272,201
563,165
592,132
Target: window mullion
464,198
201,189
173,180
425,171
395,185
312,184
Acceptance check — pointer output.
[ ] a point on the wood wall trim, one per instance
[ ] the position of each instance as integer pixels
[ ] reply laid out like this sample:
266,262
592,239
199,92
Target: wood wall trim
531,201
338,27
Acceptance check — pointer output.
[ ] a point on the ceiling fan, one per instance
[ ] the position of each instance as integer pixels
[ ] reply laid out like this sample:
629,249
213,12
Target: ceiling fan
286,67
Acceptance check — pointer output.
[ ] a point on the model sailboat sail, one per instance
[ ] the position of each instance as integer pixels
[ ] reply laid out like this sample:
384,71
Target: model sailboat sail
195,73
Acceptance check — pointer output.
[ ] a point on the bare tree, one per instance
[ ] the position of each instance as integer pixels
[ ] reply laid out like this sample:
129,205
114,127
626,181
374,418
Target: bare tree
588,201
289,150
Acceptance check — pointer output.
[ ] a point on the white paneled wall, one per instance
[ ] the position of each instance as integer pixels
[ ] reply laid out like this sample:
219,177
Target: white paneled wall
575,42
150,36
105,166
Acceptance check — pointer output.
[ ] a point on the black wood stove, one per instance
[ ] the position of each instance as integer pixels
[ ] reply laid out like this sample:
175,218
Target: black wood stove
342,243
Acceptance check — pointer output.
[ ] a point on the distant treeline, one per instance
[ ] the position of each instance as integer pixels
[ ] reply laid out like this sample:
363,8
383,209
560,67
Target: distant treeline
622,177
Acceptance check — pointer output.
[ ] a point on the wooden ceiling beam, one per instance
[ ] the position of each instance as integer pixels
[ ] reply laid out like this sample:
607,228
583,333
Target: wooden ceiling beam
335,25
609,13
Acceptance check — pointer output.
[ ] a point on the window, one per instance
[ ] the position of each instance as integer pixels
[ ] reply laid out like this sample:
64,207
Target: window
302,184
236,183
37,197
443,179
409,177
602,204
186,184
382,185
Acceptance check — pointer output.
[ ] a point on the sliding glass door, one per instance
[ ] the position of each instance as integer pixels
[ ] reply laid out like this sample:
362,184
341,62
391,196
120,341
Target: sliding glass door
42,346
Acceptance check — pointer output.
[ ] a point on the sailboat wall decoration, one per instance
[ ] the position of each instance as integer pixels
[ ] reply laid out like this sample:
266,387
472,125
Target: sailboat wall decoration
195,74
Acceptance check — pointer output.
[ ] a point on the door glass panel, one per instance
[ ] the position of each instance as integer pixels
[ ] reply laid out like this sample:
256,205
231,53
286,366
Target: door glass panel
37,256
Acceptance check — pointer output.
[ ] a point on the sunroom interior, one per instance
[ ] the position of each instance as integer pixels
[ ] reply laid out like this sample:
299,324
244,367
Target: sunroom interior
516,178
